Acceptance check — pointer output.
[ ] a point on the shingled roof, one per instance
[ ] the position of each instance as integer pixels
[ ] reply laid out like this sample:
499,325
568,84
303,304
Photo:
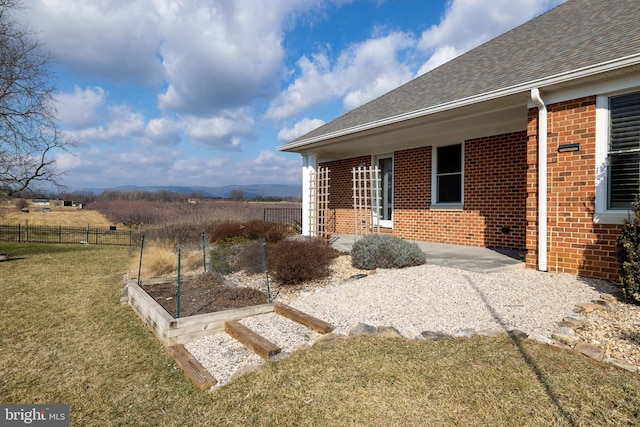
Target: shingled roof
574,35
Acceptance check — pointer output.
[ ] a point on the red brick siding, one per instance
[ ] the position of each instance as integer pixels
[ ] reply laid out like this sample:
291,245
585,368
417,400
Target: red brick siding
341,190
575,244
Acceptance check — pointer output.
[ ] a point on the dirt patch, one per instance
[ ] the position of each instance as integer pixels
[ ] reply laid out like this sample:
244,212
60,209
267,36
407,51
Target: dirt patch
203,294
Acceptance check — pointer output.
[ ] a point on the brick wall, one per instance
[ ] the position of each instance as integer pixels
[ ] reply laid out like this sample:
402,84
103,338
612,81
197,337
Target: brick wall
495,195
575,244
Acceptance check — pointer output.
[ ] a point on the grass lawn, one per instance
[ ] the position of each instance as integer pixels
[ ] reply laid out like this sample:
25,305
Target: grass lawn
65,338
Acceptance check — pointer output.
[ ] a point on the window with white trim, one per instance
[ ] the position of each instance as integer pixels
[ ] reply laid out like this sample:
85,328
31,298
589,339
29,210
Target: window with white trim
617,155
448,176
624,151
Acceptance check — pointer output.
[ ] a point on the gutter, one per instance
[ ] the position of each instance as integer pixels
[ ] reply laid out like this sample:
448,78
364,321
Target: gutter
515,89
542,178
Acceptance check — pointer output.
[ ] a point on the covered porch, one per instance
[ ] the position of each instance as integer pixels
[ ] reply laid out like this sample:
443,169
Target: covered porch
470,258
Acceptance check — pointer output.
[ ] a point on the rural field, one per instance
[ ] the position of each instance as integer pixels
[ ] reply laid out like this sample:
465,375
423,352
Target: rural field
66,216
66,338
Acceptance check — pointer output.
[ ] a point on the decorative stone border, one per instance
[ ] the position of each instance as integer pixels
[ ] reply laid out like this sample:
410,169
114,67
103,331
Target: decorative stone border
563,337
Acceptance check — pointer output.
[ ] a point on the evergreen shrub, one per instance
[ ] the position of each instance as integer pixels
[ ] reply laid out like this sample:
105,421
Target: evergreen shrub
385,251
628,255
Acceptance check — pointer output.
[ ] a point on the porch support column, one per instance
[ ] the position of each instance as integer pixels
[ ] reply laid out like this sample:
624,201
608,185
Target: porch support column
542,179
309,166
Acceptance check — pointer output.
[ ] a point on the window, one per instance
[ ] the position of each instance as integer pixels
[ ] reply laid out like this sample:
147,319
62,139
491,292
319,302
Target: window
624,151
617,155
448,175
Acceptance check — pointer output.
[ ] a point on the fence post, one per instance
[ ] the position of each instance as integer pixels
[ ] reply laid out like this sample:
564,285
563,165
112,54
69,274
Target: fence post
140,265
266,269
19,233
60,235
87,236
178,296
26,230
204,254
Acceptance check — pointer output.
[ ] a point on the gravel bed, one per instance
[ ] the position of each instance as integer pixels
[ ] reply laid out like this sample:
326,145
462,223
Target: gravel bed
415,299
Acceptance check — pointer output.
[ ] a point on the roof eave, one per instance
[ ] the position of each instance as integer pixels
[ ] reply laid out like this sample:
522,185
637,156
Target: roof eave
512,90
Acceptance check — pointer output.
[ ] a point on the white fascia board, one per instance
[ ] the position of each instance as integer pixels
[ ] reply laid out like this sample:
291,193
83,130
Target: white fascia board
512,90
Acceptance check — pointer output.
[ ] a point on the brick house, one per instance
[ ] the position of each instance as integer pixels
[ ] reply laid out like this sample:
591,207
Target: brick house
540,125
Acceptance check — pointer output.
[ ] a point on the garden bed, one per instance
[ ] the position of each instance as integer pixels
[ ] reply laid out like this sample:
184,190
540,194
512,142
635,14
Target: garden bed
171,330
201,294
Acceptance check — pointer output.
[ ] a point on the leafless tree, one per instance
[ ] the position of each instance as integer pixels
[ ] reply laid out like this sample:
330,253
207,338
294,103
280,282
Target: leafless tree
29,134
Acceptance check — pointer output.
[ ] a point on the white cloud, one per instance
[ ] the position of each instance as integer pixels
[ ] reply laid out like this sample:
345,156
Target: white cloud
270,167
469,23
161,131
362,72
121,122
302,127
79,109
220,131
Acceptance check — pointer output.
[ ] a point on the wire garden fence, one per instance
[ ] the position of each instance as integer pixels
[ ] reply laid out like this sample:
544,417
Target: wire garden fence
216,263
59,234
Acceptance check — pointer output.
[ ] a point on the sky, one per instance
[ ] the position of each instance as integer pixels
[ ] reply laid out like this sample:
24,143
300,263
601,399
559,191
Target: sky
201,92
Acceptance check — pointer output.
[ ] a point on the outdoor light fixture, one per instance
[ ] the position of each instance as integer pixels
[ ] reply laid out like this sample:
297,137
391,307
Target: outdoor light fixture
568,147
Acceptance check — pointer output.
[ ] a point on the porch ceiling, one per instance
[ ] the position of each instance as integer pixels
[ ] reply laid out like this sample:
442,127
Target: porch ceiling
494,117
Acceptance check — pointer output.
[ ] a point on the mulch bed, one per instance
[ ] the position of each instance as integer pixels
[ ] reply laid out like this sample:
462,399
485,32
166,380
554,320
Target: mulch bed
201,294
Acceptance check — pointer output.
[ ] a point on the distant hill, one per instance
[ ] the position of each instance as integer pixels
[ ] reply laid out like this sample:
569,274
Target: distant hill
250,191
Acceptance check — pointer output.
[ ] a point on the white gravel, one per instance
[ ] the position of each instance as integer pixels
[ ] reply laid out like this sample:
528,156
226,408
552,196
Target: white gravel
416,299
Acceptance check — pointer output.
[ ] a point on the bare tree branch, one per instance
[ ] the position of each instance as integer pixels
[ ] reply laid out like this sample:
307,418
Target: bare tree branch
29,134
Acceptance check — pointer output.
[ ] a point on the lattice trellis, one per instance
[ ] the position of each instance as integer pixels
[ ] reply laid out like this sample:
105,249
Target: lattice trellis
366,200
319,203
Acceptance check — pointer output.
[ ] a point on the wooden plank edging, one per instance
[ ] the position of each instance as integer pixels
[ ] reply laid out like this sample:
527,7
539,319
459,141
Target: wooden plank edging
192,368
256,343
305,319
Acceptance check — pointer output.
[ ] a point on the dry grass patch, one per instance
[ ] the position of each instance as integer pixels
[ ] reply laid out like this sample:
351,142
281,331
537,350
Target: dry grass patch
66,339
59,215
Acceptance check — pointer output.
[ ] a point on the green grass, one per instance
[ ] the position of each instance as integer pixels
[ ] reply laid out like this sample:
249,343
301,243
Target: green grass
65,338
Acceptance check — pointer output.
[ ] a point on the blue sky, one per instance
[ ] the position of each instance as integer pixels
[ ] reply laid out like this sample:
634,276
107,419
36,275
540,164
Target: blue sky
201,92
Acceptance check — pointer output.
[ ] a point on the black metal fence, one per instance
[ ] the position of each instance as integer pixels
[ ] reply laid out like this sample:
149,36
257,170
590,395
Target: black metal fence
60,234
290,217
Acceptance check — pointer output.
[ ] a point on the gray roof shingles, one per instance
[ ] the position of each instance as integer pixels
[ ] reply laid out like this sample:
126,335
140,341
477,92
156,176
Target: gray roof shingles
576,34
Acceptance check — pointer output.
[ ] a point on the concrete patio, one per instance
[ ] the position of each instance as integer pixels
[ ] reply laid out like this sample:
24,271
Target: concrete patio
471,258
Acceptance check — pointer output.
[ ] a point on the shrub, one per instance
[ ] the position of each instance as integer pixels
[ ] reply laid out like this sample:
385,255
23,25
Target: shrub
252,230
251,258
293,261
628,255
384,251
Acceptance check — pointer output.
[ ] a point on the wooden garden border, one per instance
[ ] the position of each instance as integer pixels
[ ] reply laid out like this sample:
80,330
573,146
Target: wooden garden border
173,331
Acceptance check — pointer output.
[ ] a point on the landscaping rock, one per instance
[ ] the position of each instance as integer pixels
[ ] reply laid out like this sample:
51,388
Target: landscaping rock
569,322
466,333
518,334
567,339
590,307
388,332
362,329
590,350
435,336
623,364
608,297
3,257
329,338
540,338
565,331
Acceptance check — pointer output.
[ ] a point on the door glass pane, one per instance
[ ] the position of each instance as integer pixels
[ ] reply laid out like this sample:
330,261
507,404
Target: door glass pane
386,176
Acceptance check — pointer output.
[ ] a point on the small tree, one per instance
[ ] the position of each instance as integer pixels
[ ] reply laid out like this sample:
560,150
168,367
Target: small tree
628,255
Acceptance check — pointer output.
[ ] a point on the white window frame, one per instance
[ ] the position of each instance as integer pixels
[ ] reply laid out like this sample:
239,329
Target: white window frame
434,180
602,214
385,223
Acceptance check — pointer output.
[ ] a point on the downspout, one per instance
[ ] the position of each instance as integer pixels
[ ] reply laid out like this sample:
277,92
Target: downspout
542,178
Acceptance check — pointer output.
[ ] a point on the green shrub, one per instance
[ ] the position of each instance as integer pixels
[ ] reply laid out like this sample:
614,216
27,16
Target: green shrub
293,261
628,255
385,251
